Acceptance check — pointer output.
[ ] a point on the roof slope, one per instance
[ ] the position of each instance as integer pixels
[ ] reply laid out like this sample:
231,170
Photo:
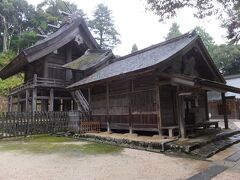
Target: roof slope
145,59
141,60
90,59
76,25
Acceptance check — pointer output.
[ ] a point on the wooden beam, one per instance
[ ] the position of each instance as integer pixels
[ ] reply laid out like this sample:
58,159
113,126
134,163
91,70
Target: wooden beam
107,108
130,107
158,108
224,105
51,103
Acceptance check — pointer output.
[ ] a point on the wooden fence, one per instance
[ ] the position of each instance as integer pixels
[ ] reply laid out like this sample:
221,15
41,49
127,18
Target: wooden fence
23,124
27,123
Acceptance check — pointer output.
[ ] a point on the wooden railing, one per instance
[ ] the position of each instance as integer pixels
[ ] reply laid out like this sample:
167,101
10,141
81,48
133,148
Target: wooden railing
40,82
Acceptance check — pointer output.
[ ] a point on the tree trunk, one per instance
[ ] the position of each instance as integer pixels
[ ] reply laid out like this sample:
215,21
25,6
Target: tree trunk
5,33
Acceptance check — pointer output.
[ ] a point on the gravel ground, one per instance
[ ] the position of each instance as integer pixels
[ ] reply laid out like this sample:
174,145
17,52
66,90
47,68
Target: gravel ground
129,164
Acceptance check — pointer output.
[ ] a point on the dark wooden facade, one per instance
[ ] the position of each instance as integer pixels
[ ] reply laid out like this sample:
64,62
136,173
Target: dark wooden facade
45,78
167,96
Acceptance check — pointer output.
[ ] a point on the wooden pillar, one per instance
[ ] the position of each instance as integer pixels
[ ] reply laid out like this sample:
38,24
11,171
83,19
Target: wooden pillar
45,68
130,107
10,103
26,100
18,103
224,108
34,100
181,116
51,103
107,108
158,108
68,59
206,106
90,102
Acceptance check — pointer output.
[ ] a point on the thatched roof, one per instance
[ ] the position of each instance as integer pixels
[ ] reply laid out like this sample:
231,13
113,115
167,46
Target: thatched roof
75,26
90,59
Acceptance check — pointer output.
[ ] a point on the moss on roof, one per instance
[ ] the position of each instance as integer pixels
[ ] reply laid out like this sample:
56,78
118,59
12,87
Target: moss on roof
88,60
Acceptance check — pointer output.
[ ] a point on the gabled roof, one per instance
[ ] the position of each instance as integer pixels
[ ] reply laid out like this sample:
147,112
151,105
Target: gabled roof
90,59
146,59
69,31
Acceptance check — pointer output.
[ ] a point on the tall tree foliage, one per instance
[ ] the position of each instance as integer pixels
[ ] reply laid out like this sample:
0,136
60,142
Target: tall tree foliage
49,12
206,38
227,10
103,27
134,48
173,31
15,18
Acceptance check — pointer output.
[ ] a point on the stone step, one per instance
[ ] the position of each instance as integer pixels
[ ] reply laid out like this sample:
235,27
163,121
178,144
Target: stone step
215,146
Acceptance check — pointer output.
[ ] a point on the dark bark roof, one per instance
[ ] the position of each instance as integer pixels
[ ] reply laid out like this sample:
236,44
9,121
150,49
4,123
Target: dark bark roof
144,59
90,59
68,32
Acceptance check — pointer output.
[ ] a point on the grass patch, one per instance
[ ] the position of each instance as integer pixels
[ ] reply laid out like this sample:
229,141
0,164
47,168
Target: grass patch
38,139
49,144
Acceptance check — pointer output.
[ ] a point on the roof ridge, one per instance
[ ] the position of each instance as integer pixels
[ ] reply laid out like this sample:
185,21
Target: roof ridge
188,34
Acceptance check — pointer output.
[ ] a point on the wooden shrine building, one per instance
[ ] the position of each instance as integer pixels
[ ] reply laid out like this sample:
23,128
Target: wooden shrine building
44,77
162,88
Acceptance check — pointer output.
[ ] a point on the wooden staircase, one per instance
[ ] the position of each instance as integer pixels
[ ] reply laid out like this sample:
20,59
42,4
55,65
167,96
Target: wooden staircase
80,100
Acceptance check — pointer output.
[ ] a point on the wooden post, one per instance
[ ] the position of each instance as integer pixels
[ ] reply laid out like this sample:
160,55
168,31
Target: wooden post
181,118
34,100
130,108
18,103
51,103
68,59
89,102
10,103
224,108
206,106
45,68
158,109
26,100
107,108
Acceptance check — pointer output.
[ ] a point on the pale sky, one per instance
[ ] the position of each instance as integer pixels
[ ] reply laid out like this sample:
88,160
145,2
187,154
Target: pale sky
135,25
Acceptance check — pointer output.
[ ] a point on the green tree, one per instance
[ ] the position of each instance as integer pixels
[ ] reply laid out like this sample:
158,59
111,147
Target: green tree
207,39
14,18
13,81
173,31
103,27
227,58
226,10
49,12
134,48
